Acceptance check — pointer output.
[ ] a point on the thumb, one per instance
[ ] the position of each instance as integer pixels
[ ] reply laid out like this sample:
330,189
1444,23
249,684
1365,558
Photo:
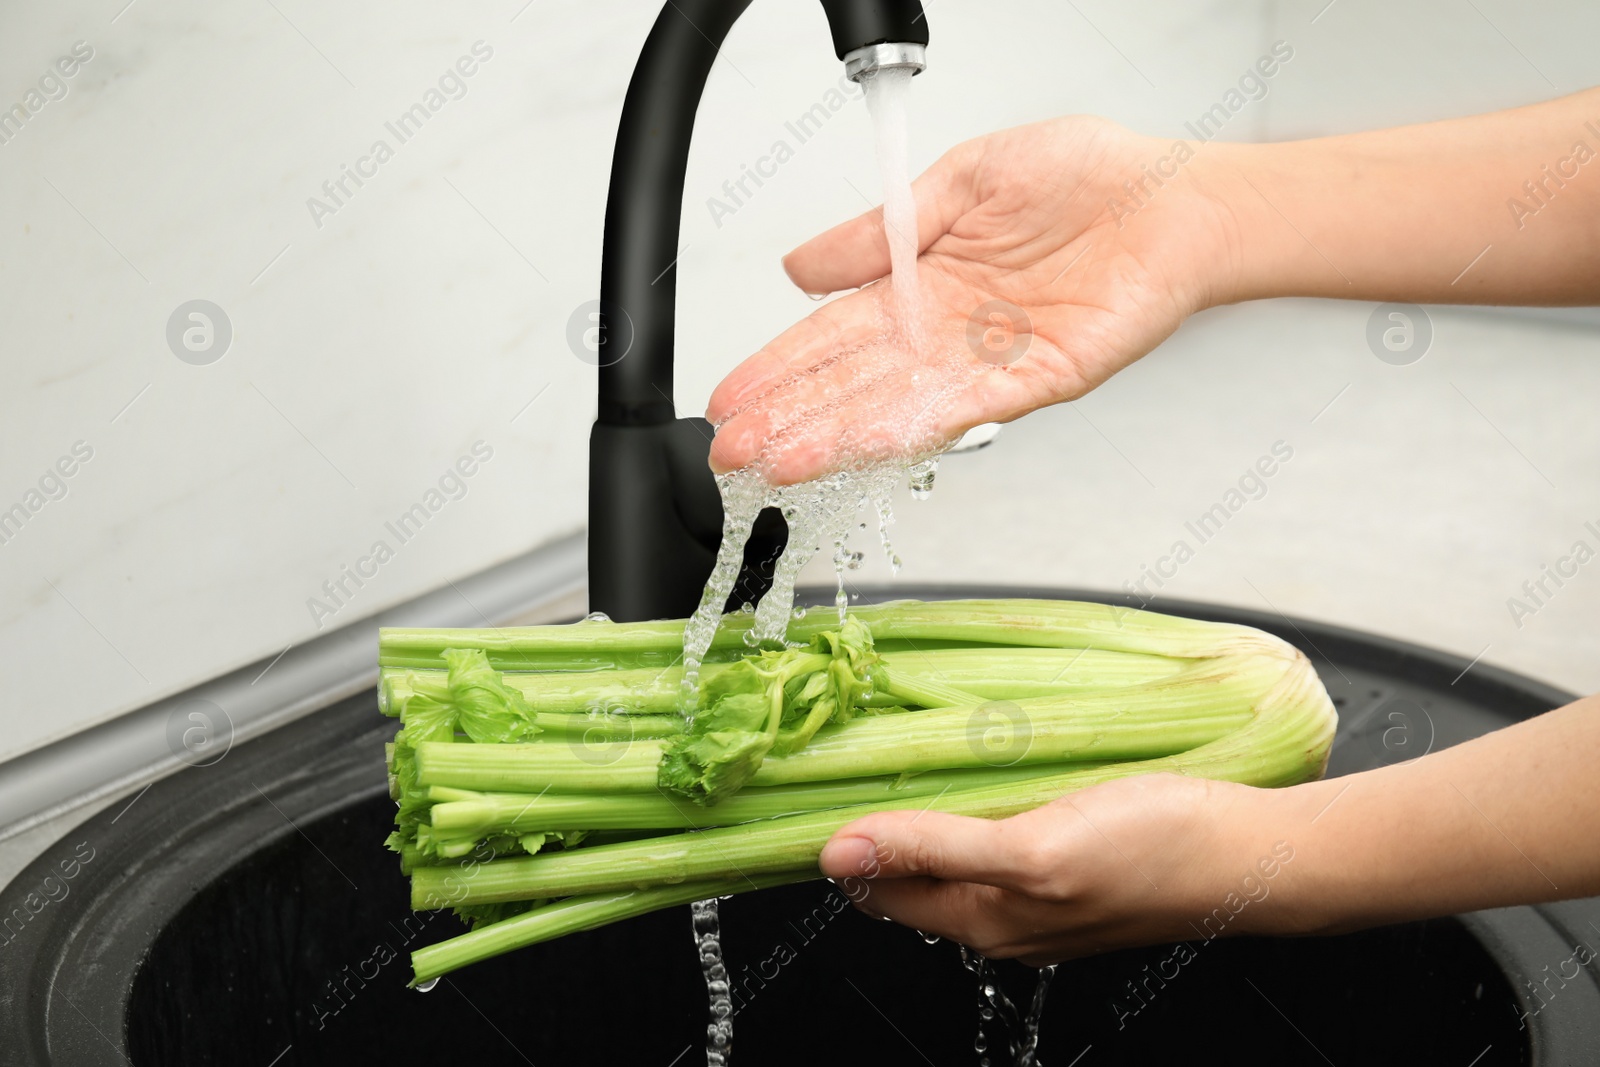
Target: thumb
856,252
909,844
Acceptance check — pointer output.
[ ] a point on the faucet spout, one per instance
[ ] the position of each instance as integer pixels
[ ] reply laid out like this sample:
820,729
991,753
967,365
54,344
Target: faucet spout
654,513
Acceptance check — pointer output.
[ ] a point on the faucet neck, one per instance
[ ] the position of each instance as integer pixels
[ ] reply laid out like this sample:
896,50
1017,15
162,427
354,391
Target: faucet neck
856,24
638,269
655,515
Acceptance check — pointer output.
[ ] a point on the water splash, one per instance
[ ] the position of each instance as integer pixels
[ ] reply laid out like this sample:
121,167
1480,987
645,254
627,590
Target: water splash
1023,1042
877,424
821,512
894,429
742,500
991,999
886,520
1026,1048
708,942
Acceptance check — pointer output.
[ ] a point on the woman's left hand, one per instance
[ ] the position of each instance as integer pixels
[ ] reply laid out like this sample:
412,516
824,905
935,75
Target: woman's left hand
1136,861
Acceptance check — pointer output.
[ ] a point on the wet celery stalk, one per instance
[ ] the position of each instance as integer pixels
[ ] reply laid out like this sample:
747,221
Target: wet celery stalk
473,815
1178,712
1012,673
904,625
1285,741
519,743
571,916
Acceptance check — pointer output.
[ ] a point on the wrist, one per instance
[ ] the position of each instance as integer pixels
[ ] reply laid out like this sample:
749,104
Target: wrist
1253,253
1259,848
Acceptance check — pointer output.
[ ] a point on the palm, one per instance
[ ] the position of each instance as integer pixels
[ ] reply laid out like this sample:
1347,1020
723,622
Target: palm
1019,217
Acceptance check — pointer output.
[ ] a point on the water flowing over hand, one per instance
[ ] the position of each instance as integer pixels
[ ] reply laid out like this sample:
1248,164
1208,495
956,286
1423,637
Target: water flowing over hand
1034,288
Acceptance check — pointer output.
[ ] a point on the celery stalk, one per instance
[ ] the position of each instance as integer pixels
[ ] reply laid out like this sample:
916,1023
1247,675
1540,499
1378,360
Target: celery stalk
1286,741
896,626
571,916
1006,673
571,743
1158,718
459,812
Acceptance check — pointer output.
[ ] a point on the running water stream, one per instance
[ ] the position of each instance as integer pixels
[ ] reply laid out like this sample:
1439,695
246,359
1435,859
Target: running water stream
886,101
894,433
708,940
1023,1029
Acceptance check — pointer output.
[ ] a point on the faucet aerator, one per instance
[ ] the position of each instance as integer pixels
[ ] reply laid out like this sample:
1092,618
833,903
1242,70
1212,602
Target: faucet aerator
865,62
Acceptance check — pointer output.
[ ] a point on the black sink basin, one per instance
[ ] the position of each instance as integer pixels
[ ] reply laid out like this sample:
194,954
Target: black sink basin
247,913
283,951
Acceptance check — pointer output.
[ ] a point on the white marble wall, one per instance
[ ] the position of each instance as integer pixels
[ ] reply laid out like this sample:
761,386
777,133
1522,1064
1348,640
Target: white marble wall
372,351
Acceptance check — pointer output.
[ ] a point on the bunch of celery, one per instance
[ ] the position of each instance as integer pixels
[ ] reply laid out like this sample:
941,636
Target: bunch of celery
552,779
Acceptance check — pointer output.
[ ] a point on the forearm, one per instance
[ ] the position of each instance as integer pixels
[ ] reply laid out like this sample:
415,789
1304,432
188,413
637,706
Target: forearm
1501,208
1511,817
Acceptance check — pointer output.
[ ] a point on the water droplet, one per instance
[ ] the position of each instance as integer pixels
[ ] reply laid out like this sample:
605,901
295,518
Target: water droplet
596,616
932,939
798,613
424,987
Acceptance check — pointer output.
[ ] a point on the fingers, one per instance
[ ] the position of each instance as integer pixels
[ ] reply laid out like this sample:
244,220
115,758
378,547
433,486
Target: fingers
856,252
859,410
955,848
961,911
995,922
801,346
827,418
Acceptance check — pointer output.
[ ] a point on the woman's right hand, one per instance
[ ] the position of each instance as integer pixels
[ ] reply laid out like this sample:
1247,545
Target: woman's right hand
1040,217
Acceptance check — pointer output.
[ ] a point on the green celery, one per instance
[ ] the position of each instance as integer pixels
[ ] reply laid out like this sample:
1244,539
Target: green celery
1158,718
464,813
1286,741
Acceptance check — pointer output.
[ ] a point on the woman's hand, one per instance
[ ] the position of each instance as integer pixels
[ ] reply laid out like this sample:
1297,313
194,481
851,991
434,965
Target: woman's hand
1023,216
1137,861
1506,818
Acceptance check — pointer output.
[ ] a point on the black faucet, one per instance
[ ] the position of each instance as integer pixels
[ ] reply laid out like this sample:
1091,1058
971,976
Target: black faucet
655,518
